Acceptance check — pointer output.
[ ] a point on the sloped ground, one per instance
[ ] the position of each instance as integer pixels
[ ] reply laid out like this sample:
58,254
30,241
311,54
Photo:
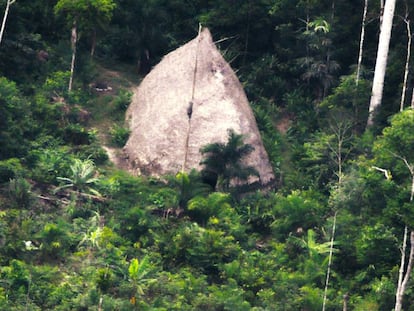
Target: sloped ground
105,113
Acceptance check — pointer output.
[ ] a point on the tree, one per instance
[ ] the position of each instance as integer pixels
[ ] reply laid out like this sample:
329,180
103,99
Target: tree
224,161
16,123
330,148
318,62
361,42
407,59
85,14
6,13
396,147
381,62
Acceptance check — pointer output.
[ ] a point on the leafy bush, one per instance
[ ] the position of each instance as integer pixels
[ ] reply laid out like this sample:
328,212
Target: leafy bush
19,191
56,84
119,135
94,152
256,210
370,246
56,240
122,100
15,121
49,163
198,247
18,277
217,204
9,169
76,134
137,222
300,210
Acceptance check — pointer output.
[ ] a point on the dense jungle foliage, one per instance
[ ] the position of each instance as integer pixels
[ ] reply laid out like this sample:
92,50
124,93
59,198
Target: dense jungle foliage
78,234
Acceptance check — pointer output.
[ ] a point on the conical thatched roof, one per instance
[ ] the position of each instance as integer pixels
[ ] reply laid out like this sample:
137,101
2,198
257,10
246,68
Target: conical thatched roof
190,99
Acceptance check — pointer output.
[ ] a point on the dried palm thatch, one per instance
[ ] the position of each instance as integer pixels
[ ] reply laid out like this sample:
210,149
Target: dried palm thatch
190,99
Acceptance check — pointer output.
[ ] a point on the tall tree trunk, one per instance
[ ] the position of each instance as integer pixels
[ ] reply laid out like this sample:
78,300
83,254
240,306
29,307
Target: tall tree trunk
6,13
407,59
412,99
93,43
74,39
403,281
345,302
328,273
361,42
381,13
246,42
381,62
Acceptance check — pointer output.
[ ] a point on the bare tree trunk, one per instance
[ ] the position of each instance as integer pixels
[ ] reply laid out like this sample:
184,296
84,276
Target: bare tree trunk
404,278
381,62
6,13
407,60
328,273
93,43
246,43
402,282
398,298
412,99
361,42
345,302
72,65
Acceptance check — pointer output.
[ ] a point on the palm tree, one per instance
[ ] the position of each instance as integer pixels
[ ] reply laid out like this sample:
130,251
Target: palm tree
83,177
189,185
223,161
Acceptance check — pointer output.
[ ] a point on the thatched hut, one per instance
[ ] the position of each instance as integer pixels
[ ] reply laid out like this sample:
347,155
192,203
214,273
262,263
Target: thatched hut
190,99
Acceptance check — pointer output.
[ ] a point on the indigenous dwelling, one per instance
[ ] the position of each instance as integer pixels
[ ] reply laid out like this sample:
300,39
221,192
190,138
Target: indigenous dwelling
190,99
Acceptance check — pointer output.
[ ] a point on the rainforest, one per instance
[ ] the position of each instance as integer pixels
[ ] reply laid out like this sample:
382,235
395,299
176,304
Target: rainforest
330,83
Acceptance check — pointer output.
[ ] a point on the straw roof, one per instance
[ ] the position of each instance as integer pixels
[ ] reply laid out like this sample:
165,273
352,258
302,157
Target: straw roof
190,99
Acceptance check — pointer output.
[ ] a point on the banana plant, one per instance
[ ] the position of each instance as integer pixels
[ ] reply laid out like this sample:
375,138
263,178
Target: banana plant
138,272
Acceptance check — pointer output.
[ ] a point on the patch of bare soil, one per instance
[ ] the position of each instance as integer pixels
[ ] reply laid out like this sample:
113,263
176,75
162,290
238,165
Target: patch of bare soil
115,156
106,87
284,124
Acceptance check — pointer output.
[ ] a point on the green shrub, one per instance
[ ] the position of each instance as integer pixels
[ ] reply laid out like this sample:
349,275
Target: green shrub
104,279
119,135
57,83
17,278
19,191
55,240
122,101
203,249
16,124
300,210
94,152
50,163
9,169
76,134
